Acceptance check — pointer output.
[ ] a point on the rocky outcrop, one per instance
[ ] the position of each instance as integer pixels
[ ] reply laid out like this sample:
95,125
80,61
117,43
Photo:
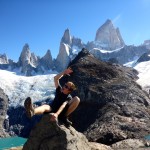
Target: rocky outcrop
122,43
53,136
113,106
109,37
144,57
3,59
3,112
69,48
29,64
26,61
77,42
63,58
147,44
67,39
25,56
34,60
47,61
131,144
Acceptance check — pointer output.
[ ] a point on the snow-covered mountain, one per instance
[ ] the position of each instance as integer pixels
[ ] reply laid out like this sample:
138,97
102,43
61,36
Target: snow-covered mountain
18,88
3,59
109,37
142,65
108,45
144,74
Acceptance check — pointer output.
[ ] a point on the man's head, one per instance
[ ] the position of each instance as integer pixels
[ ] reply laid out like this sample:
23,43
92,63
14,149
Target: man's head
68,87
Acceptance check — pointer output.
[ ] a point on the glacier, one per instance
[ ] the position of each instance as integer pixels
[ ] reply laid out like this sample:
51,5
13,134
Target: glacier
18,88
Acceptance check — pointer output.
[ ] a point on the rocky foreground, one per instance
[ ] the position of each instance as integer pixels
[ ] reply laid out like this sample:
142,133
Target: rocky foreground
47,135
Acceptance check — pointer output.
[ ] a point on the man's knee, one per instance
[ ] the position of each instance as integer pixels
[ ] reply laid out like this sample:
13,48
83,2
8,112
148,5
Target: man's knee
76,99
46,107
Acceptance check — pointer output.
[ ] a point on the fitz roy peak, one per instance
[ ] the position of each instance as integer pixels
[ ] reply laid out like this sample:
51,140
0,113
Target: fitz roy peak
108,45
109,37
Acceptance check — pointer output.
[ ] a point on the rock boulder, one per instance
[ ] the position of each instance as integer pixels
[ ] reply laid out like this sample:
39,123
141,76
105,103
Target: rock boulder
113,106
3,112
47,135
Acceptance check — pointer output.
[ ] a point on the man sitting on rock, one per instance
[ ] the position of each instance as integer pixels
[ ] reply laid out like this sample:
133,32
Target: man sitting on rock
63,104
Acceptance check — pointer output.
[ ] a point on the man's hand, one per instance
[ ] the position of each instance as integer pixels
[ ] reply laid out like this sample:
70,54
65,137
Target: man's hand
58,76
54,117
68,71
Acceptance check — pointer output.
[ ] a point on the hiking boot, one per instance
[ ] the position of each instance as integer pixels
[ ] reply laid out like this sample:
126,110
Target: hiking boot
29,107
66,121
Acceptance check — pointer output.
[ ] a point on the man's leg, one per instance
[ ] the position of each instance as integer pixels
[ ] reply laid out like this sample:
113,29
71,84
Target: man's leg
73,104
30,110
41,109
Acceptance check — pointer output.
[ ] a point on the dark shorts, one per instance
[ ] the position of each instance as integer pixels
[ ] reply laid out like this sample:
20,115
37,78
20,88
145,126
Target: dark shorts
54,110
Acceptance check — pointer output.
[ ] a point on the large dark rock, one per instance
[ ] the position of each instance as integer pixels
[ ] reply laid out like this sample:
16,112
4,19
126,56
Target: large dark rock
47,135
144,57
3,110
113,106
131,144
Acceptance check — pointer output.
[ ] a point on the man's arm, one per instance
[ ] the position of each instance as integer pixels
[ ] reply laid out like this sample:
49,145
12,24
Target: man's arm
61,108
60,75
55,115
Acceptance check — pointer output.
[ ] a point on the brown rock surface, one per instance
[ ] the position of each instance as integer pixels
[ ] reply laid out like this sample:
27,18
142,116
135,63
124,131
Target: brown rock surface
113,106
47,135
3,111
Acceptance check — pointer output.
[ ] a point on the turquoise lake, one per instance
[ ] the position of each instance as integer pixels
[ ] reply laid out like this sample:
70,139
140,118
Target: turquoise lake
6,143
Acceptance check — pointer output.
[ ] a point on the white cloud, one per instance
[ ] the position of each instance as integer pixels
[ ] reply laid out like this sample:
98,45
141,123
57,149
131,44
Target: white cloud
116,18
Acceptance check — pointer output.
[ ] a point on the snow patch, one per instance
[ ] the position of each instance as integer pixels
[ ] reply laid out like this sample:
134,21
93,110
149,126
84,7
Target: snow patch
144,74
132,63
107,51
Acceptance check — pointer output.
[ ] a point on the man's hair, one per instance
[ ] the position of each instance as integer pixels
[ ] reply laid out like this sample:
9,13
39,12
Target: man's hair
72,86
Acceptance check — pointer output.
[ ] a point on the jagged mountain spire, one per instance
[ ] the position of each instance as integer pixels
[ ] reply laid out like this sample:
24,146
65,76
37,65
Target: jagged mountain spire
25,56
108,36
47,60
3,59
63,58
66,37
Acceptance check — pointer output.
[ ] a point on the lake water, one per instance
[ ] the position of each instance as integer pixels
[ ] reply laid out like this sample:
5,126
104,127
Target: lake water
11,142
147,137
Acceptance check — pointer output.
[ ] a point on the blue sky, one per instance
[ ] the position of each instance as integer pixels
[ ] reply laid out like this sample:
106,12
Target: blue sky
41,23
